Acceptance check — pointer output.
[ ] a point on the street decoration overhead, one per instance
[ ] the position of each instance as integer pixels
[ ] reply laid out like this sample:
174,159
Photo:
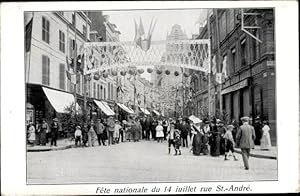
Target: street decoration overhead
190,54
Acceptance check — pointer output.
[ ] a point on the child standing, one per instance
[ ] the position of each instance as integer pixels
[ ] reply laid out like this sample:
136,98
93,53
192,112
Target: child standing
177,142
229,142
159,132
78,136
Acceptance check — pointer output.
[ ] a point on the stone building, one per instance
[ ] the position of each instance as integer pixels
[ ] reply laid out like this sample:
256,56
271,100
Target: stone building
249,88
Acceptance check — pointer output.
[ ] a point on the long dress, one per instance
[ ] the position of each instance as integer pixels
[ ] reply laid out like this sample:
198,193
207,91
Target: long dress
43,134
215,142
197,142
31,134
265,142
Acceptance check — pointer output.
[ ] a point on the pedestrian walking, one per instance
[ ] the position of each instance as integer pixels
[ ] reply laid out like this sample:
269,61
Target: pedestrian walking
111,130
171,137
122,130
78,136
43,133
153,131
177,142
159,132
100,132
165,125
148,127
85,135
222,131
205,137
31,134
117,131
245,140
54,132
92,134
265,142
184,132
229,142
197,138
38,129
215,140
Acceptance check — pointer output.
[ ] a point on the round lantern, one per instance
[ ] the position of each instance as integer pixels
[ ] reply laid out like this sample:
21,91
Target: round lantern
176,73
96,76
185,74
131,72
140,71
123,73
149,70
105,75
114,73
167,72
158,72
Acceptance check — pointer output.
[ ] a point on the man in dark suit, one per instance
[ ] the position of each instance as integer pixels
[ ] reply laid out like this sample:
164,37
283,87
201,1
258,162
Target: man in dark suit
245,139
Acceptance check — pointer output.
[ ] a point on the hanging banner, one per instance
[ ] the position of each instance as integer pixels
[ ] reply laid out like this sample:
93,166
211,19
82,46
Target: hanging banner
219,78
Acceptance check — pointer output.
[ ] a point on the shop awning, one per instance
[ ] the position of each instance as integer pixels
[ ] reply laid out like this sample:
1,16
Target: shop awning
125,108
60,100
104,107
145,111
156,112
195,119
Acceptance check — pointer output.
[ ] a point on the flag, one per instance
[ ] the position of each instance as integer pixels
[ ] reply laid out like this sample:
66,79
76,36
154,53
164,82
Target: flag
28,32
149,37
141,28
224,68
214,65
219,78
140,39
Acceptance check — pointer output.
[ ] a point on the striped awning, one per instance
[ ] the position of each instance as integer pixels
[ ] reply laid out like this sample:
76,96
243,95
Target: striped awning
125,108
145,111
59,100
104,107
156,112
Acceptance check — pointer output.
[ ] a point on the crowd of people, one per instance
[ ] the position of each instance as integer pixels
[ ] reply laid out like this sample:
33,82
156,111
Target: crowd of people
203,137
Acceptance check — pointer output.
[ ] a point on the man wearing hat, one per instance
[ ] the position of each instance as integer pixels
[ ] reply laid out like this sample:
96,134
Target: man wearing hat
245,139
54,131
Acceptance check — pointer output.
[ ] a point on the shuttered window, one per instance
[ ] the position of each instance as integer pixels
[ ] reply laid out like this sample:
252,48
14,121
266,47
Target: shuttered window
45,30
45,70
62,76
61,41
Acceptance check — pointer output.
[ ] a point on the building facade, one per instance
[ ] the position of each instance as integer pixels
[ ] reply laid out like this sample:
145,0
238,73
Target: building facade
50,53
248,67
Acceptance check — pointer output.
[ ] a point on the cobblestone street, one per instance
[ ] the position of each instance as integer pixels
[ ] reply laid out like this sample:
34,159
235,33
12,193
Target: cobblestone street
145,161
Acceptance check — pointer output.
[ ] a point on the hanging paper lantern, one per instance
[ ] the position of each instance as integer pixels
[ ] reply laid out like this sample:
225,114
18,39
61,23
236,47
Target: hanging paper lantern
140,71
105,75
131,72
158,72
123,73
185,74
176,73
114,73
167,72
149,70
96,76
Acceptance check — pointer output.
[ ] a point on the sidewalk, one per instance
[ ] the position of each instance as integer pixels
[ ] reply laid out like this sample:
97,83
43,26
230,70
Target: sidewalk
61,145
258,153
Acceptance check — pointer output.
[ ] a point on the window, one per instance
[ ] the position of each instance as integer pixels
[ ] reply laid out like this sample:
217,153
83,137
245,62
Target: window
62,75
233,60
61,41
72,47
84,29
45,70
243,52
98,91
78,82
45,30
112,91
94,89
255,46
101,89
108,89
73,18
104,93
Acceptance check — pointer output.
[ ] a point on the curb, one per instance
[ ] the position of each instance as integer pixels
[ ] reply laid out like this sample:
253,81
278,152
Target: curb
257,155
51,149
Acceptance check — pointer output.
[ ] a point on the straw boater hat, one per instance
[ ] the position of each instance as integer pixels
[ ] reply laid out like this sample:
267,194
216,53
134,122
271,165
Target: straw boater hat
230,127
78,127
245,119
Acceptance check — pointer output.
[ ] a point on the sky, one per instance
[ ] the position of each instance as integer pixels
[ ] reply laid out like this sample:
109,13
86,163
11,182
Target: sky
165,20
188,19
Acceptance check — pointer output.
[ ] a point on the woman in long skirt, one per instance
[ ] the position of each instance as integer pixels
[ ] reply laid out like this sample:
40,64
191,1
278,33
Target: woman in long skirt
265,142
197,139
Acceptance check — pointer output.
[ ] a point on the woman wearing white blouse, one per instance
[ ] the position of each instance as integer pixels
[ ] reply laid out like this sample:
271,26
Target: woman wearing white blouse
265,142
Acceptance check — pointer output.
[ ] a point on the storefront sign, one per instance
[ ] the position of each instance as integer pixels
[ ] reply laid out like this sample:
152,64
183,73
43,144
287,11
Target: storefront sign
235,87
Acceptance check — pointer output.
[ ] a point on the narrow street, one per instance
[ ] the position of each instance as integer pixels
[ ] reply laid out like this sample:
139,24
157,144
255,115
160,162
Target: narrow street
140,162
